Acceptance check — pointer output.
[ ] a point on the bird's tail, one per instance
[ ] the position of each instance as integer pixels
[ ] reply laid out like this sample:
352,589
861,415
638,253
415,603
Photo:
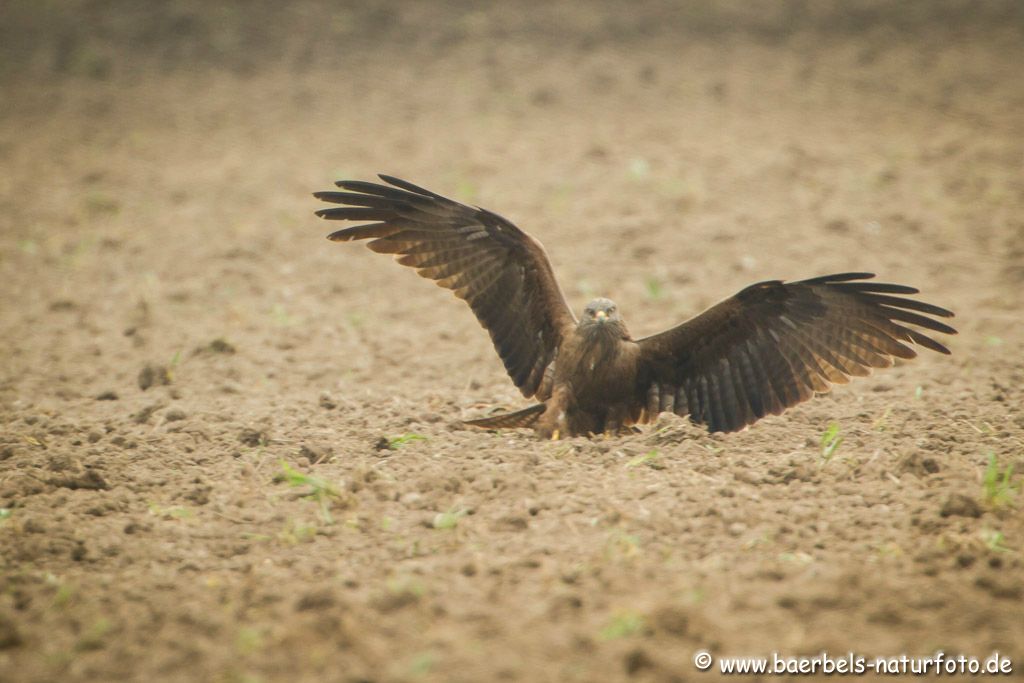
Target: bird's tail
521,418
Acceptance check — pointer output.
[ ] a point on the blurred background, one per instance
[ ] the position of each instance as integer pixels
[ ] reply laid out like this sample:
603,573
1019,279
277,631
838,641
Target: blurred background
785,138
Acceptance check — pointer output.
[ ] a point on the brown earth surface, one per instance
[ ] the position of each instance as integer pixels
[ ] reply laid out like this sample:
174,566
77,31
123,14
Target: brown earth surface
181,346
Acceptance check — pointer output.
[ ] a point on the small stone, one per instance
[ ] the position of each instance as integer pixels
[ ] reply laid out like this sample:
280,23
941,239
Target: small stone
107,396
174,415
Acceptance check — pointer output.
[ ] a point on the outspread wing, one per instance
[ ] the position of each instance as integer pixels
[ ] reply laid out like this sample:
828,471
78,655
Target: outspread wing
499,270
774,345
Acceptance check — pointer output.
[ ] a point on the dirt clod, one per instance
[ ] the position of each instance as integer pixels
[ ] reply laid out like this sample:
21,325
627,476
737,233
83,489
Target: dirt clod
175,415
316,453
10,636
153,375
87,479
320,599
252,437
637,660
959,505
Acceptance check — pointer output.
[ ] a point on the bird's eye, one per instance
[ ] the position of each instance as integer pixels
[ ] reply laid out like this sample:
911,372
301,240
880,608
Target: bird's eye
611,310
589,311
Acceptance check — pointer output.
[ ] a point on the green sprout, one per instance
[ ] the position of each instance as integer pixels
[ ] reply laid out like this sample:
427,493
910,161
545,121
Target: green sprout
248,640
622,625
998,484
650,458
621,545
449,519
994,541
654,288
320,491
399,441
830,441
169,370
94,636
422,664
639,168
297,532
467,190
177,512
282,317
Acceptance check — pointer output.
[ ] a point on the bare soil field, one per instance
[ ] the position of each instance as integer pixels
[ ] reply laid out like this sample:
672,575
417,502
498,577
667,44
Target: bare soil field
231,450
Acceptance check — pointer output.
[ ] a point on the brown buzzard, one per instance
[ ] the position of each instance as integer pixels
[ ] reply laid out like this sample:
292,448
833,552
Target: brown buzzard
767,348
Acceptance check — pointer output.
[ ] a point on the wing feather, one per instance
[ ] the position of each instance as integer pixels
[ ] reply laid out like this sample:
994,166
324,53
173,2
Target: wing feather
776,344
500,271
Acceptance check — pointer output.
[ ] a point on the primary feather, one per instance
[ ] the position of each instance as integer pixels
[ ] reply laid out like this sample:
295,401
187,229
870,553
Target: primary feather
500,271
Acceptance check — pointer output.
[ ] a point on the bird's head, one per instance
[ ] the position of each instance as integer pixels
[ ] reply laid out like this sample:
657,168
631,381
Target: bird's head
603,315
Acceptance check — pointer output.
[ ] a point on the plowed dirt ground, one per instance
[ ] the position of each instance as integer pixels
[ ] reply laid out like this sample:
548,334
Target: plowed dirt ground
181,345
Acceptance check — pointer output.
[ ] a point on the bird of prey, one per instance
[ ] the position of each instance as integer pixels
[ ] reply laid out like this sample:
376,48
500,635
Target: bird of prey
769,347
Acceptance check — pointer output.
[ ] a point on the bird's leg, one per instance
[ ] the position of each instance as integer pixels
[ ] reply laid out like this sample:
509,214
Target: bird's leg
615,422
552,424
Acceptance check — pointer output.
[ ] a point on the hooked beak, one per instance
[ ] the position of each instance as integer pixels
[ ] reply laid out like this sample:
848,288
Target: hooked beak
601,316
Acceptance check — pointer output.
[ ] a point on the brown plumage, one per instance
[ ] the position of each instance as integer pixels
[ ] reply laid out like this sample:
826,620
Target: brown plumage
767,348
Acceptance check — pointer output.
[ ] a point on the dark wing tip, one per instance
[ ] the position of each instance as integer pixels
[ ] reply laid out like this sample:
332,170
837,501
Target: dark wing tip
408,186
838,277
358,185
329,196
